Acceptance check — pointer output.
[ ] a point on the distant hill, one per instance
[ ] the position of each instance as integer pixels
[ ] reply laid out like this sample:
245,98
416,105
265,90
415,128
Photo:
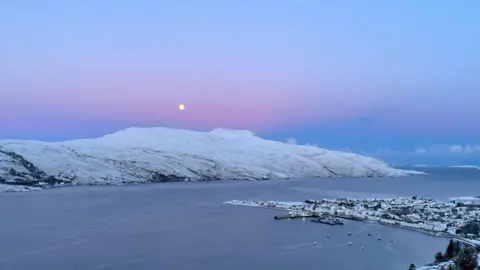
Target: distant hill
137,155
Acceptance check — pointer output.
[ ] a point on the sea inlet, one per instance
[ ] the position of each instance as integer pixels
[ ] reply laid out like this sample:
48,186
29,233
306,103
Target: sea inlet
187,226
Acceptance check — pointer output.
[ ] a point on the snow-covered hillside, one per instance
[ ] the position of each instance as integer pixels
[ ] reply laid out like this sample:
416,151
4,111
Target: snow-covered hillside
163,154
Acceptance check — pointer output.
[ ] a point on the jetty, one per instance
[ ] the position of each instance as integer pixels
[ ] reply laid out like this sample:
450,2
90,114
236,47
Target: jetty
328,221
298,214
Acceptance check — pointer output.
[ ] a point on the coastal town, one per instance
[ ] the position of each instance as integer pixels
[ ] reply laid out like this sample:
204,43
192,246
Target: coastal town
456,219
450,219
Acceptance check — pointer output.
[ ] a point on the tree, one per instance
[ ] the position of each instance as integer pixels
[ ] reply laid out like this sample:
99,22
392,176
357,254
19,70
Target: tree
458,247
467,259
439,257
450,252
412,267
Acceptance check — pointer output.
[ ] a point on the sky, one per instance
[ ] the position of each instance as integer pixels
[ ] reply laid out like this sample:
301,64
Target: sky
398,80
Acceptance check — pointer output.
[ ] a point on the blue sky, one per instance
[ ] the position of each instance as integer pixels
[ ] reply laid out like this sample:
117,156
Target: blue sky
393,79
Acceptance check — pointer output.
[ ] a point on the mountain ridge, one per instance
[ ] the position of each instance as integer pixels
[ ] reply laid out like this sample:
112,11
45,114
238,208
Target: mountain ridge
141,155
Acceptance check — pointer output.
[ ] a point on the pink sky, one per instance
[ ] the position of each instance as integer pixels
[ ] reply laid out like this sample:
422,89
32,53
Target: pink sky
319,71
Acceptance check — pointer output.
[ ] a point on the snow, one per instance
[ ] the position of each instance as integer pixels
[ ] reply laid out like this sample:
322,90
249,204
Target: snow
136,155
288,203
259,203
243,203
440,265
12,188
474,242
464,198
436,267
466,167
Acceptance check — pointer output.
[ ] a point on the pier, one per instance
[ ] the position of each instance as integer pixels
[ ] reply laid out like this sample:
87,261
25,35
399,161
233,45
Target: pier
293,215
328,221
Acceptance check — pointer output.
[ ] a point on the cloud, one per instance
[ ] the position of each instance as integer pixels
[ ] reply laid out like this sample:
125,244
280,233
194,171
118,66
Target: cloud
456,149
431,150
464,149
439,150
291,141
469,149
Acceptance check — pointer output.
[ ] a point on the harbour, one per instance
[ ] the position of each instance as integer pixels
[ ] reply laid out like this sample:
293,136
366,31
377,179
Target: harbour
297,214
328,221
406,213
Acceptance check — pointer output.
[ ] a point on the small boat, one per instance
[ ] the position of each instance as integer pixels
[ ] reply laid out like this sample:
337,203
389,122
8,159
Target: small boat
349,233
350,243
362,247
369,234
315,243
328,235
379,238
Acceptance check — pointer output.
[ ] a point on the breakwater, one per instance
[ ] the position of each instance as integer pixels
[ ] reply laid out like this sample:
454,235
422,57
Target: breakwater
294,215
328,221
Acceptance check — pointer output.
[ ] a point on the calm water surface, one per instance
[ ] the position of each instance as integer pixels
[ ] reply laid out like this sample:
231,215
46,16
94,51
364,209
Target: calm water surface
187,226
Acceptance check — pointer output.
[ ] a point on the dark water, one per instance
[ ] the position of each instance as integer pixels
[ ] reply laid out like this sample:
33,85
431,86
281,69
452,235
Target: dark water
187,226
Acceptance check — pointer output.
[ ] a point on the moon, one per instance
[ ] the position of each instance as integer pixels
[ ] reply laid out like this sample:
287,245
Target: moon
181,107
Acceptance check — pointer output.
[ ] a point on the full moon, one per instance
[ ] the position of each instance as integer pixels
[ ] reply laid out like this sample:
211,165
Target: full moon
181,107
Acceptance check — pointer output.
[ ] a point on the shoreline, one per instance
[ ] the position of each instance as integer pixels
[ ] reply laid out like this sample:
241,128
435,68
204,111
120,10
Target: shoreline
311,207
373,221
41,184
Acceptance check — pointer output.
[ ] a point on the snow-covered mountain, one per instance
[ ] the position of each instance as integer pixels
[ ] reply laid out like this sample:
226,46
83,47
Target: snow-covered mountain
161,154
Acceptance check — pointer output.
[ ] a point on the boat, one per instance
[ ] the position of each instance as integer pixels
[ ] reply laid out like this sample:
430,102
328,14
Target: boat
350,243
